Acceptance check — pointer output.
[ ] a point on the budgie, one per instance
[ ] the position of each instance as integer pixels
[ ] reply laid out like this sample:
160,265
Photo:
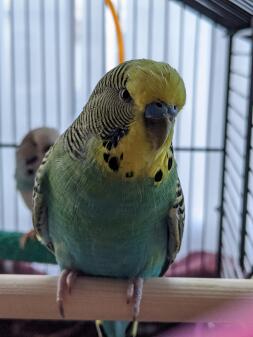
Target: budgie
107,198
29,155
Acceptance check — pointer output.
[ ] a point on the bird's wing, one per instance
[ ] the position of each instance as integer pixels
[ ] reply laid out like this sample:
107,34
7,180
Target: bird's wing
40,209
176,219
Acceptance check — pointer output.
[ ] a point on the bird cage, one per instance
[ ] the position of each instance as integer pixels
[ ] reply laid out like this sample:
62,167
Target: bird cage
52,53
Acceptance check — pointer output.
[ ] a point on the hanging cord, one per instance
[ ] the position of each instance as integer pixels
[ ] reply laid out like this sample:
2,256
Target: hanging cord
120,40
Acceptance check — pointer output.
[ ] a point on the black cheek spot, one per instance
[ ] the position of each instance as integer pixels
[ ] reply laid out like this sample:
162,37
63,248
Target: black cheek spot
158,176
170,161
114,164
30,172
121,156
106,157
129,174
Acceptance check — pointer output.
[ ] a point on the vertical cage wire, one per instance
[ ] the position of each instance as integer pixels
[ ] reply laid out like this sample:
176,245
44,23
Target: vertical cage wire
219,262
58,62
13,72
150,28
135,25
88,46
180,62
247,189
193,130
1,120
166,32
70,12
208,139
28,62
103,27
13,94
43,62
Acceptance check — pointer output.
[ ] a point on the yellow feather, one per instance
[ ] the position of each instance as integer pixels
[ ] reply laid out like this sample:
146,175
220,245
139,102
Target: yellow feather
138,155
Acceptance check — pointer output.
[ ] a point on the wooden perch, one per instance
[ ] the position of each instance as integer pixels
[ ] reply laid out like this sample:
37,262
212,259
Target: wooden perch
164,299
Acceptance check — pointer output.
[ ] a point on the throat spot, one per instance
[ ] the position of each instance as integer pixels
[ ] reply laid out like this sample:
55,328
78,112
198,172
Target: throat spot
113,163
158,176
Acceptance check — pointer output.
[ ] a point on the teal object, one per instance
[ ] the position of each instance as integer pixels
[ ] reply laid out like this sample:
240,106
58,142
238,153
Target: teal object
33,251
115,329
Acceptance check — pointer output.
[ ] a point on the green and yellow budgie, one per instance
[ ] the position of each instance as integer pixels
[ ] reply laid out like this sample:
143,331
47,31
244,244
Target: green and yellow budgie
107,198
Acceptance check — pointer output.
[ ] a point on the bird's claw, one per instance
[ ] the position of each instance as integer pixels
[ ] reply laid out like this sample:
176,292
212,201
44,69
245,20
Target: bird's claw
66,279
60,307
130,291
134,294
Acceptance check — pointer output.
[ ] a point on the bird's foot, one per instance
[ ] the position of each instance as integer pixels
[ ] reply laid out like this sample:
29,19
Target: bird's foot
66,280
25,237
134,295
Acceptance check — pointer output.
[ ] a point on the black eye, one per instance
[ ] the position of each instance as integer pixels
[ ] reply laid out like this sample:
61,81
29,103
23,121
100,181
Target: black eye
31,160
125,96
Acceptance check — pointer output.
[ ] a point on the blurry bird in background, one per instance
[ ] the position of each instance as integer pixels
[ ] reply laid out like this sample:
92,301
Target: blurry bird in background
29,155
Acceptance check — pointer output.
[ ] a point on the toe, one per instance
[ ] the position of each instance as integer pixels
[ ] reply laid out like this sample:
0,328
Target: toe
71,277
134,294
61,285
130,291
60,307
137,297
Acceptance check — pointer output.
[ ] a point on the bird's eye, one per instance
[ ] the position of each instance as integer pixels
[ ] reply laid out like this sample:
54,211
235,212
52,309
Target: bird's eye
125,96
31,160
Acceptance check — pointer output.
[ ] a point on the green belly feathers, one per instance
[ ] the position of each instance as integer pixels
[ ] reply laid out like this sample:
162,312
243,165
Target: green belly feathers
109,227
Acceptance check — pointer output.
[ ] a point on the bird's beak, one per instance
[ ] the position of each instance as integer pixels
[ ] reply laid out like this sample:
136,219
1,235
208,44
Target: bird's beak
159,118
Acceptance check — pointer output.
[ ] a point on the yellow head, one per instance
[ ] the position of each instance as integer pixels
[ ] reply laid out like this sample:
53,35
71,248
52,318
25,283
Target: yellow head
132,113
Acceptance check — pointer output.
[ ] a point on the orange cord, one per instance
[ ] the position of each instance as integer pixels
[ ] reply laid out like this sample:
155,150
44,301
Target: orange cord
120,40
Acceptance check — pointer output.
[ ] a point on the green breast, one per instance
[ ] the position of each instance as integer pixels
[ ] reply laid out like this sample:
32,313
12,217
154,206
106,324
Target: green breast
105,226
